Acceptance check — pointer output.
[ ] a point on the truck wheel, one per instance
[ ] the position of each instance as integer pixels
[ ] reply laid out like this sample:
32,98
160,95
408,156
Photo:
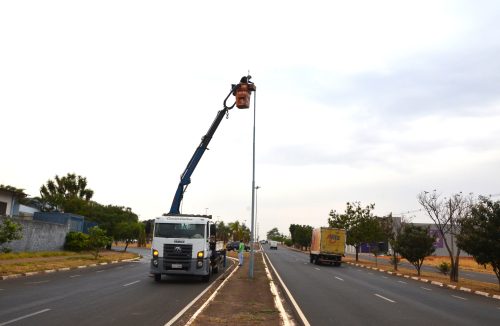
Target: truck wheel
157,277
316,260
206,278
216,269
311,259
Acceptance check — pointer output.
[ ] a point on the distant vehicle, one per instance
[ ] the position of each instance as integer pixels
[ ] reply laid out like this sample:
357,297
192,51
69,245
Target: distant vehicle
263,241
273,245
327,246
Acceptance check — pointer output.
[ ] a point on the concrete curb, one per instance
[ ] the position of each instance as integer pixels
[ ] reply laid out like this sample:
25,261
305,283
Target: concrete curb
48,271
450,286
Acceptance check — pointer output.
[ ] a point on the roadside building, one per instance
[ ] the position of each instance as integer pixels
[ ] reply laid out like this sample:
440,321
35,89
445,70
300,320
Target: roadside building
10,200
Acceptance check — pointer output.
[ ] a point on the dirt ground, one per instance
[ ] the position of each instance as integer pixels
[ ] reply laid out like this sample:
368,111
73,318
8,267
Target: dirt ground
241,301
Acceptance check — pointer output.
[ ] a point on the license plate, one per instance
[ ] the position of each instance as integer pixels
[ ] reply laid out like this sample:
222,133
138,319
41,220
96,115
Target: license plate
176,265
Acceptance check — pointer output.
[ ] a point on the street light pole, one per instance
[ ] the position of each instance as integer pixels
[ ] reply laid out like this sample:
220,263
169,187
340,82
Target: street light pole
256,235
250,266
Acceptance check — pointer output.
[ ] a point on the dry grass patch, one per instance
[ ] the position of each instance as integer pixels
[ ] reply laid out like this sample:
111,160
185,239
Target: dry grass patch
435,276
35,262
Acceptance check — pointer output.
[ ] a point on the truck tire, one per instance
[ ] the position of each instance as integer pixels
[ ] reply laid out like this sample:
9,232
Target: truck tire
206,278
316,260
157,277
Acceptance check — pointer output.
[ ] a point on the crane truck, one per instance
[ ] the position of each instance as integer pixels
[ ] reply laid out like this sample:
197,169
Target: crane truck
185,244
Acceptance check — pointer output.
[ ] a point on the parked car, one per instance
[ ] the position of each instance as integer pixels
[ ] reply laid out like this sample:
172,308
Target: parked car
234,245
273,245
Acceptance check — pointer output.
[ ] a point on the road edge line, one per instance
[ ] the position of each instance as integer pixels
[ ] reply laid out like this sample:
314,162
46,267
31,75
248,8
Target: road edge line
186,308
277,298
294,303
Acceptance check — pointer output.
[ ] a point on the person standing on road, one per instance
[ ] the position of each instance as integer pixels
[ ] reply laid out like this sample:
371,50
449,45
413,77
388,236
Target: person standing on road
241,249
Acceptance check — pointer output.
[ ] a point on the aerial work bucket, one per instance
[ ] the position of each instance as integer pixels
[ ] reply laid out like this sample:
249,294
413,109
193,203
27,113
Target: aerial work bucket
243,93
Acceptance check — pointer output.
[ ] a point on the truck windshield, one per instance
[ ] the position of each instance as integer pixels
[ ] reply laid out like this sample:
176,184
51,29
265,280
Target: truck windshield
179,230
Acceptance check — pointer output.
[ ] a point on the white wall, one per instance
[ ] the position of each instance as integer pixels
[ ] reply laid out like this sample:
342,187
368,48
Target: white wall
6,197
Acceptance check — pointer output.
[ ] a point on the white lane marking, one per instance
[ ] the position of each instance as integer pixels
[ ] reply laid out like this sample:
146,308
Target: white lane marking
338,278
25,316
384,276
427,289
39,282
402,282
359,270
370,273
382,297
77,275
131,283
102,270
456,296
294,303
120,267
316,268
173,320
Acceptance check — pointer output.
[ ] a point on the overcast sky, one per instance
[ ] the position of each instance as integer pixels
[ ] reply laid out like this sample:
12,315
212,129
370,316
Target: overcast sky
371,101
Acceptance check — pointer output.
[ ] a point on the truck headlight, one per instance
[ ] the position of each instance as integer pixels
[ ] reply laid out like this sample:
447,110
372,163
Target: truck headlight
155,253
201,254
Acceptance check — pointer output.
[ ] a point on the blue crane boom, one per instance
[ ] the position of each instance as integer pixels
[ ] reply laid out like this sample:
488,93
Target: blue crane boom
243,89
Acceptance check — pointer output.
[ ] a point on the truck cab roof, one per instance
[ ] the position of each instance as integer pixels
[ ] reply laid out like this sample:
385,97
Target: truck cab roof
194,219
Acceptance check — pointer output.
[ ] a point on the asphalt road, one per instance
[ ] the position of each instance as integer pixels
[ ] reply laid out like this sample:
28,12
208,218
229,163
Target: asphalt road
464,274
113,294
349,295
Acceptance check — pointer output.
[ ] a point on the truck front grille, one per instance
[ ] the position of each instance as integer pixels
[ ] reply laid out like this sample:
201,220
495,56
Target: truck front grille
177,252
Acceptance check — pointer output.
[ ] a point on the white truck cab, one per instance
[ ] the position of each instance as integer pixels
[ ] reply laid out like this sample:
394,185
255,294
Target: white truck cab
185,245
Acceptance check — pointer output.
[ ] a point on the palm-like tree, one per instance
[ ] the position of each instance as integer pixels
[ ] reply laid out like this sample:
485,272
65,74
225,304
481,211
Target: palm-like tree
63,189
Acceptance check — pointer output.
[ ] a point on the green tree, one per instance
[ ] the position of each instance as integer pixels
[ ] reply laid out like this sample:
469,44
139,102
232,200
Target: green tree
360,224
97,240
109,217
274,234
76,241
9,231
128,232
392,228
414,243
301,235
480,234
65,193
239,231
223,232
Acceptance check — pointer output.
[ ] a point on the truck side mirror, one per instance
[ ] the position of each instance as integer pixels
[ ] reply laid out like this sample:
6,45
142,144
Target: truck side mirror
213,230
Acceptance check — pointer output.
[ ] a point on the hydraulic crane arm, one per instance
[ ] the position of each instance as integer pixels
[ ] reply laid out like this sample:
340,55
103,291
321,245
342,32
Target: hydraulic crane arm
205,140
